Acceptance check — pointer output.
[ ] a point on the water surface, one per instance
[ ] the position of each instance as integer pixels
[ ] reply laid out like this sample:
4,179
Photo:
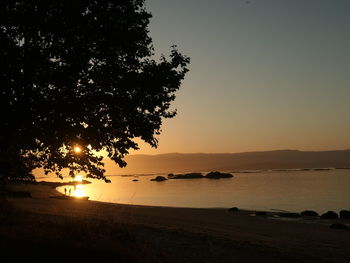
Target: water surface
271,190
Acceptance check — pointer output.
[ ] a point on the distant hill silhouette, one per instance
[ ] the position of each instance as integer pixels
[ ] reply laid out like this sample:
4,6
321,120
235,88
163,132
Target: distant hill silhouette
197,162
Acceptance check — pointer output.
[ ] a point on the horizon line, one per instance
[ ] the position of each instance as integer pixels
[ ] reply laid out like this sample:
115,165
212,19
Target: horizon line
261,151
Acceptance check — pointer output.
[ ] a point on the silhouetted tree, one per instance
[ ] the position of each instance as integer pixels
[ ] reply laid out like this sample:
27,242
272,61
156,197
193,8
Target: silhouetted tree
79,72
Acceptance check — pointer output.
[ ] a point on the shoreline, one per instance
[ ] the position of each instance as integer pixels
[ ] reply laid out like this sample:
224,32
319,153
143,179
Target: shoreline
294,204
194,234
269,214
272,215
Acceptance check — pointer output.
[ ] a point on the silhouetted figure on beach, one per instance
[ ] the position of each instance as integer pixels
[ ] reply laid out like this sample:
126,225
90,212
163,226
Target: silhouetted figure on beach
65,191
69,192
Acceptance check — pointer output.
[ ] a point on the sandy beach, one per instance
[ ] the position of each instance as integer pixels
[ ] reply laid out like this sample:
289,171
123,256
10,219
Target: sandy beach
129,233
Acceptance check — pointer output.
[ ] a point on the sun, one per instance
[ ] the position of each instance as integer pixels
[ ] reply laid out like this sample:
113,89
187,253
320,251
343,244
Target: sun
77,149
78,178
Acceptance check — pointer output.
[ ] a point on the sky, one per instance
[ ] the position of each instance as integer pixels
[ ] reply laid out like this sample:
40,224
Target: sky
264,74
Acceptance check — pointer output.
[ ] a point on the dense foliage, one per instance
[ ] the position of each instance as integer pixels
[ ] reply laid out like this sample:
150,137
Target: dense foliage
80,73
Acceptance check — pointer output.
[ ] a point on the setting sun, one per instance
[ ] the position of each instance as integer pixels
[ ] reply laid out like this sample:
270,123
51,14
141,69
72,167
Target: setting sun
78,178
77,149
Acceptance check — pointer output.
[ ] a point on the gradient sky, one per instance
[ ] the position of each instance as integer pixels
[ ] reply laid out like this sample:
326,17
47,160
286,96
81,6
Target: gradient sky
264,74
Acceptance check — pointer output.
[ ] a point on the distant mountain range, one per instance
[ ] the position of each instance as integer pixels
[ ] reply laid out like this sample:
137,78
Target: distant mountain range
200,162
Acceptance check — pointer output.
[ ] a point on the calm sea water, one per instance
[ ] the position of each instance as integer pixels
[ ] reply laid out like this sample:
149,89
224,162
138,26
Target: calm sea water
272,190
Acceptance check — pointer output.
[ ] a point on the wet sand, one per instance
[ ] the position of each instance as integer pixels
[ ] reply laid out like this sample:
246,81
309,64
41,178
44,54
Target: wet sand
181,234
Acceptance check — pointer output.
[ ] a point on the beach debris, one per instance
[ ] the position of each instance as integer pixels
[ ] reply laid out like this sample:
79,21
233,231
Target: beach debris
260,213
329,215
233,209
290,215
218,175
309,213
339,226
344,214
135,180
159,179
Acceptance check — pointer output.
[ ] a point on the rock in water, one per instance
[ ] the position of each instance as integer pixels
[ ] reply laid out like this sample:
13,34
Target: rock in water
344,214
329,215
218,175
159,179
290,215
185,176
309,213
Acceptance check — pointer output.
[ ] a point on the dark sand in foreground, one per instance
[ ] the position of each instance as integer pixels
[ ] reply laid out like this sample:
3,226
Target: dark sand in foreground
126,233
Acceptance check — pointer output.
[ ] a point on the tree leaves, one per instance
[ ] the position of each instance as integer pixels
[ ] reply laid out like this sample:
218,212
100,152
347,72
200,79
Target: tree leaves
81,72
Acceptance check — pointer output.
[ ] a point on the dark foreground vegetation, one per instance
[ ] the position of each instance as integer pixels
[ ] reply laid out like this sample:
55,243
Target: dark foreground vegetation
79,77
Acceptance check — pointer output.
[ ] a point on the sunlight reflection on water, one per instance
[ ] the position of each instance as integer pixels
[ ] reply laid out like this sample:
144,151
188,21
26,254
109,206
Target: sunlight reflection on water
288,190
73,190
79,191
